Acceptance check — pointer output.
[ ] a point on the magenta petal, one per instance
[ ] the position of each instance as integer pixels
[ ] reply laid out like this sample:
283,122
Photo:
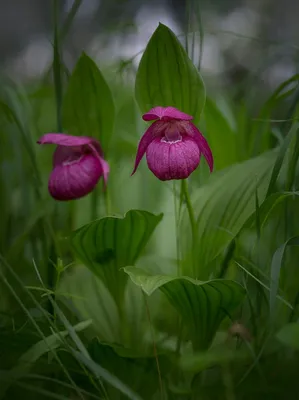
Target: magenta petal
173,160
149,135
166,113
105,169
63,139
202,144
64,154
76,179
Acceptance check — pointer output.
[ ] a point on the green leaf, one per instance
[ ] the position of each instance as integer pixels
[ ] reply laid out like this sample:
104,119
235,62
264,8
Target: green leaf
92,300
268,206
202,305
289,335
29,358
260,131
110,243
280,157
88,107
139,373
220,135
167,77
276,265
222,207
48,344
100,372
218,355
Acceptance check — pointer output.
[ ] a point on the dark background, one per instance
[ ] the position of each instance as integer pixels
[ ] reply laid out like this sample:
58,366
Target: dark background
241,38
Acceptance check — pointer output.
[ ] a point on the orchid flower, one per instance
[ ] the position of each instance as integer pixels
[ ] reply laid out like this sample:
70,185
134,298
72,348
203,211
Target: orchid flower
172,144
78,164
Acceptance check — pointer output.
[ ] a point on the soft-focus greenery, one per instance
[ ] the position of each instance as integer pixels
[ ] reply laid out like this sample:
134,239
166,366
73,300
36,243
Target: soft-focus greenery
114,296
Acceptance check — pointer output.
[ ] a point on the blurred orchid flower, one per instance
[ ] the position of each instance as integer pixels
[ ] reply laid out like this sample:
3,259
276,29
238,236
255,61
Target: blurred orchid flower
173,145
78,164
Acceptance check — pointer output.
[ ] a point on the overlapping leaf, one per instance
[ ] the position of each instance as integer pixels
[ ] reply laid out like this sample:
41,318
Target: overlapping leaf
202,305
223,206
110,243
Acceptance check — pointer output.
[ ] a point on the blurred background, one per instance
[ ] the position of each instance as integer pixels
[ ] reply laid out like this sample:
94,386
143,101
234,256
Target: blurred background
241,37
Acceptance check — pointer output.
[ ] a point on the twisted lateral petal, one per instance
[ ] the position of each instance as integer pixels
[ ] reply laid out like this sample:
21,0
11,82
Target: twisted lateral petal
173,160
166,113
202,144
75,179
150,134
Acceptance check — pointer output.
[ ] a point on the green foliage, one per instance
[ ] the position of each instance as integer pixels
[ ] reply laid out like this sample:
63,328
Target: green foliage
202,305
289,335
167,77
222,207
31,356
162,333
276,266
140,372
221,136
88,107
110,243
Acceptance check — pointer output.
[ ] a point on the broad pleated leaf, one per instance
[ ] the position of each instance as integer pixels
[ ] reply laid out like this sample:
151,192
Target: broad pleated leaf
110,243
167,77
202,305
223,206
88,107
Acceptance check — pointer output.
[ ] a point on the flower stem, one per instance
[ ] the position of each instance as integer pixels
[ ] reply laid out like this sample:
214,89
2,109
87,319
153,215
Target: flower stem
94,204
176,221
190,210
107,201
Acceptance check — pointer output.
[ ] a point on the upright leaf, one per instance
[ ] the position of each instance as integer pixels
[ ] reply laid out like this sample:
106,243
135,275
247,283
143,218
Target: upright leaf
110,243
202,305
223,206
280,157
88,107
220,135
167,77
276,265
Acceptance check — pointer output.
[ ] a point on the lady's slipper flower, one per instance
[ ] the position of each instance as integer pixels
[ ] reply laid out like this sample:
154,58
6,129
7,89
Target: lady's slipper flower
78,164
173,145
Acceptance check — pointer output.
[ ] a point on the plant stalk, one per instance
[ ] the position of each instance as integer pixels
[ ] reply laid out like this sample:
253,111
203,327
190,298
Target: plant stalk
192,219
